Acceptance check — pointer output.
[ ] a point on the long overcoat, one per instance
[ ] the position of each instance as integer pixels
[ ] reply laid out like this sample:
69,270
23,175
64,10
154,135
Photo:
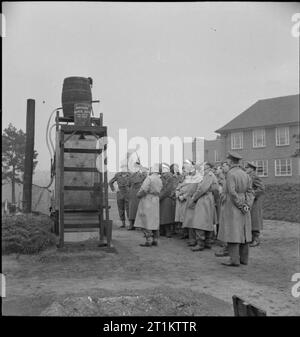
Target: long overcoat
235,226
188,216
205,215
147,216
135,183
167,199
257,208
178,180
181,190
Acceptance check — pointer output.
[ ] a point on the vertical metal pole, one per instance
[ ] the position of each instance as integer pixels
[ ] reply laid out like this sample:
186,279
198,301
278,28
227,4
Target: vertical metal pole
61,189
29,151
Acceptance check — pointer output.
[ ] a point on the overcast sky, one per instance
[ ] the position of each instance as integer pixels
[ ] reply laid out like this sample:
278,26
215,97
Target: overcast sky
172,69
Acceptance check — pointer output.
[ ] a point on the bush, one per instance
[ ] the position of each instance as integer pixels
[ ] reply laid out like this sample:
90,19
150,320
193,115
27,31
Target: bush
282,202
26,233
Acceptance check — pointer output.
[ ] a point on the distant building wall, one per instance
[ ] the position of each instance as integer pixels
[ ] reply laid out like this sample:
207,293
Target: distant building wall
268,153
214,150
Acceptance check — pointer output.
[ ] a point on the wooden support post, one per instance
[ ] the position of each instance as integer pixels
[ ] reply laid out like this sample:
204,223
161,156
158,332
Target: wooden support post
29,151
101,223
101,119
108,226
106,184
61,189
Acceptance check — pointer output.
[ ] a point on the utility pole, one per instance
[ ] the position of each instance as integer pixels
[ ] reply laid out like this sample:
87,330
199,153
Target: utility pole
29,151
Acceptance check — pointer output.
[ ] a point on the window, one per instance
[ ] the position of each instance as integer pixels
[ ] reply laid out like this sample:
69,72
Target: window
259,138
283,167
282,136
237,140
262,167
217,158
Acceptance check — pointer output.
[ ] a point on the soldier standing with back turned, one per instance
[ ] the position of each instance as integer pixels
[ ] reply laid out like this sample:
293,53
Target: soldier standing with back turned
256,210
235,217
122,179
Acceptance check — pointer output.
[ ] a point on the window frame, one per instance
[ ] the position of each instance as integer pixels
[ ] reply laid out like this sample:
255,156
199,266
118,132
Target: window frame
253,138
241,142
283,175
287,134
266,167
216,156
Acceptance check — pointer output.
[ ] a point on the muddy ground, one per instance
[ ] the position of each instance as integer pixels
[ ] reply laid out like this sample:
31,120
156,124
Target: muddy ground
170,279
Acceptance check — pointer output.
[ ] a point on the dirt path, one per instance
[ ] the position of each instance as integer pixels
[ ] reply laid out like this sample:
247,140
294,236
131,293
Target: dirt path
34,282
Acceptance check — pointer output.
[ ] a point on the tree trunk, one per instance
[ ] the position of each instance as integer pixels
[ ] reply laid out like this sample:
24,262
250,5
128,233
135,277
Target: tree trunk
13,190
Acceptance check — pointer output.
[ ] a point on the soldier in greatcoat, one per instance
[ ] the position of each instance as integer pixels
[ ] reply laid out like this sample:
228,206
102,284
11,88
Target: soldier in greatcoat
148,209
177,179
205,215
222,188
135,182
192,180
167,201
221,180
257,208
122,180
180,192
235,217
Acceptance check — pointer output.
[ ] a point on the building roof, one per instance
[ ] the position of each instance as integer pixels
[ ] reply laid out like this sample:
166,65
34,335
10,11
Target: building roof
266,112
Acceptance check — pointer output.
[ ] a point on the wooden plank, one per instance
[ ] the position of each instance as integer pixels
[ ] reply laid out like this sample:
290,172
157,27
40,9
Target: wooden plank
88,210
98,130
80,169
81,199
85,229
75,150
80,225
81,222
61,190
81,188
81,215
242,308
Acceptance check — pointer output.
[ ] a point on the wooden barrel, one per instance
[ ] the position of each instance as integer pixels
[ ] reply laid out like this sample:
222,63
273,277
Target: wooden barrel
75,90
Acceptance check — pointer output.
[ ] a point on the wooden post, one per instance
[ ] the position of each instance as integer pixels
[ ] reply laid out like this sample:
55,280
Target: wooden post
101,119
29,151
61,189
101,224
108,223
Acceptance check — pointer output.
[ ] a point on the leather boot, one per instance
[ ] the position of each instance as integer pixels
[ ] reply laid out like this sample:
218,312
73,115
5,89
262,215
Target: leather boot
197,248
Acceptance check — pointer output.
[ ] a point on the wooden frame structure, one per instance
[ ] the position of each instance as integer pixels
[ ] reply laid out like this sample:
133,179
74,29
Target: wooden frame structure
242,308
78,219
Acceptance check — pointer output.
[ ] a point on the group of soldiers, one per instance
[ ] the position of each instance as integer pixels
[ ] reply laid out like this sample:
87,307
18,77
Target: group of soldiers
204,204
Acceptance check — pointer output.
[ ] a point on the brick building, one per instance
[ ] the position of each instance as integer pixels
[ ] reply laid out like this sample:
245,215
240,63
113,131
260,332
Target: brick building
266,133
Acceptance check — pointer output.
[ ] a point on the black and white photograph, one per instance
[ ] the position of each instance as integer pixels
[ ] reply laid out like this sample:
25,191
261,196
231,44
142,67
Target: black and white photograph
150,162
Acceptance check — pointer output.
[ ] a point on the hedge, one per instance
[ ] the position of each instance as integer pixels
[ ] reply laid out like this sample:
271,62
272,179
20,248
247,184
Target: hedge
26,233
281,202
